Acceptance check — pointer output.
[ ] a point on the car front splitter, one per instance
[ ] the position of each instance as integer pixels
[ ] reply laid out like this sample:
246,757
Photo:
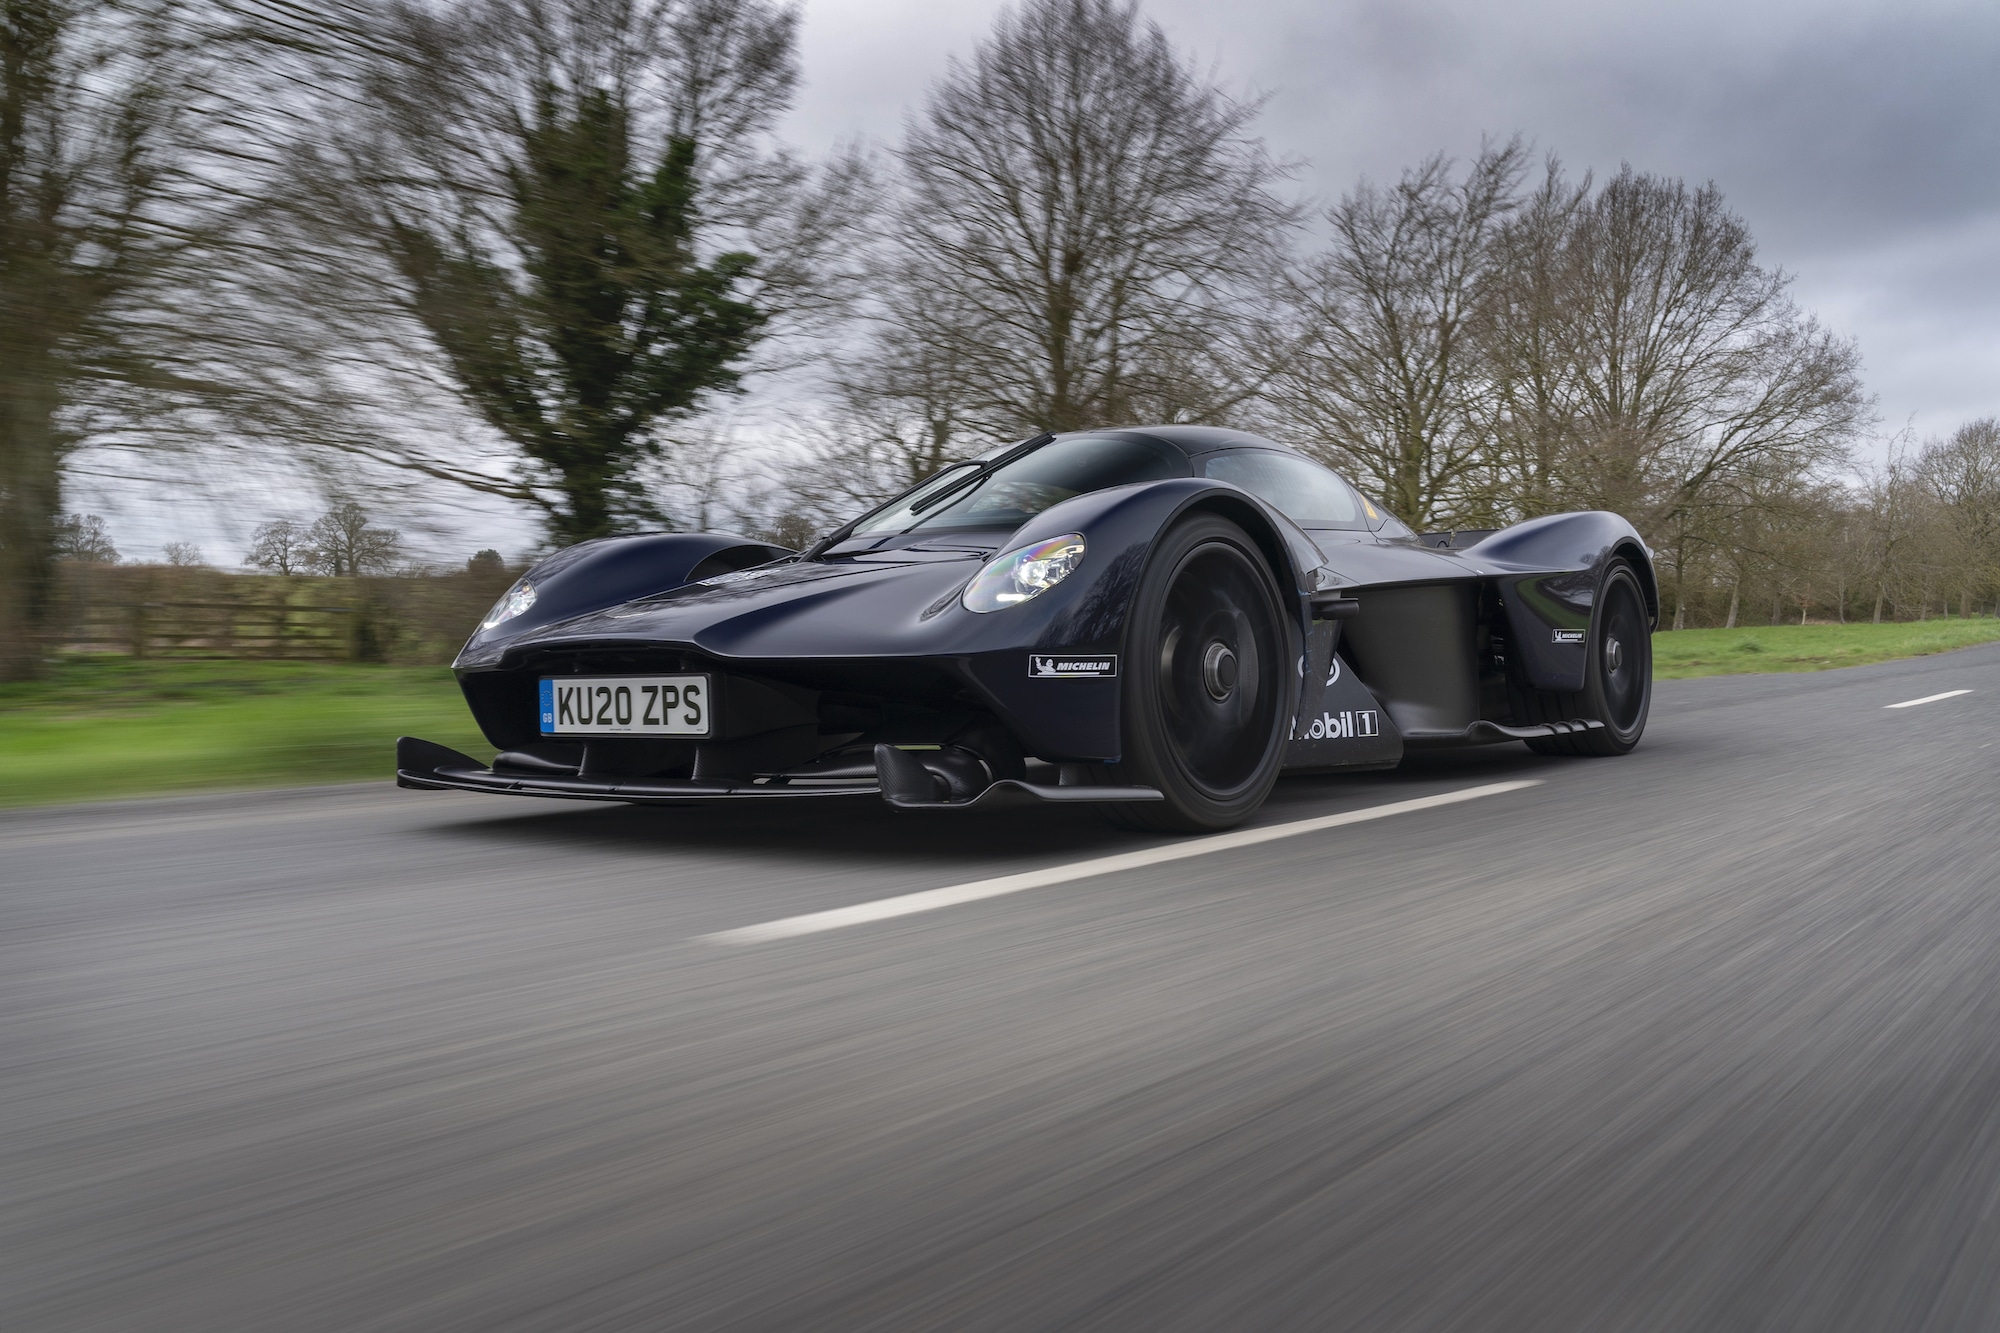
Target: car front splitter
426,766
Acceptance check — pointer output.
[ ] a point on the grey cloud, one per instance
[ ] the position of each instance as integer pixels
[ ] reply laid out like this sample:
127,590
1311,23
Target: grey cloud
1827,125
1860,140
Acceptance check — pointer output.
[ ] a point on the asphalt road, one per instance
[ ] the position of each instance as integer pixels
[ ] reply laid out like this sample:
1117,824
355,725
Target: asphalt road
1704,1038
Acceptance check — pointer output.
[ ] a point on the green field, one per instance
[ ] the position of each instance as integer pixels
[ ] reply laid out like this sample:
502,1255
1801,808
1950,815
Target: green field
1725,652
109,726
99,727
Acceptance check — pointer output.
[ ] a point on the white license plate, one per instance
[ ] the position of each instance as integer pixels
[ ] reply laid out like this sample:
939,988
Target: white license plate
625,706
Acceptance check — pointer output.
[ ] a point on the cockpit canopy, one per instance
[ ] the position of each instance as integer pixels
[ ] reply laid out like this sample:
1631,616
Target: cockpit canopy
1005,487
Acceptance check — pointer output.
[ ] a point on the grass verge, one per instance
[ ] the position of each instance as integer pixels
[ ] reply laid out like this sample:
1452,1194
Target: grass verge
1725,652
98,727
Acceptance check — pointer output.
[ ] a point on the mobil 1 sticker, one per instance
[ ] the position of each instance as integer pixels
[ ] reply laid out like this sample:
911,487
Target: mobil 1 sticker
1346,725
1042,666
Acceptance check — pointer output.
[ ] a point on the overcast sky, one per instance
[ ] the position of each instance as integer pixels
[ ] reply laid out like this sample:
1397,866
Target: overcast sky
1860,141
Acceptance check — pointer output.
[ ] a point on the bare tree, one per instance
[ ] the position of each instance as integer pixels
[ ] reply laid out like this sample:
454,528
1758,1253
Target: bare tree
182,555
1768,535
1696,362
1385,379
706,472
1535,380
83,538
1087,229
279,547
1963,473
342,542
1896,505
894,412
1644,362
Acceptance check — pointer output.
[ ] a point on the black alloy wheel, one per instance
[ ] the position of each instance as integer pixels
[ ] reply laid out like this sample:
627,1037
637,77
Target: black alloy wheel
1204,704
1618,674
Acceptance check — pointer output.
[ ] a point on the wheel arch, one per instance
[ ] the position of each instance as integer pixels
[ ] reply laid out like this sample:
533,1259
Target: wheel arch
1548,571
1635,554
1256,523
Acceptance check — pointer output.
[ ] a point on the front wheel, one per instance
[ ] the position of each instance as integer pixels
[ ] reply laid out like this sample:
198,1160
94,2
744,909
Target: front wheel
1617,677
1204,703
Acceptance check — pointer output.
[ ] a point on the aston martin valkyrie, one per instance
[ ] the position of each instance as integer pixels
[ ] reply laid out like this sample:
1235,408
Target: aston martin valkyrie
1159,620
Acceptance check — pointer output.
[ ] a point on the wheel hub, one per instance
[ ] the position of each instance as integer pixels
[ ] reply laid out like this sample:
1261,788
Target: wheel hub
1218,670
1614,654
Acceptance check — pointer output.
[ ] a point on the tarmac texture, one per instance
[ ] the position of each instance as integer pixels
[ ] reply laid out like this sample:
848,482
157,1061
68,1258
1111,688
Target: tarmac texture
1702,1038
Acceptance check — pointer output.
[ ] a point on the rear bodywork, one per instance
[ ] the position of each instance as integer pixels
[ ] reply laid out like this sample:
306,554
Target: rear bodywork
862,672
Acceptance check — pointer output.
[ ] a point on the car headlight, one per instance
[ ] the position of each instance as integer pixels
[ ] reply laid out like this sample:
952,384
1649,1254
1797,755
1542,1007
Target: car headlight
1019,575
518,599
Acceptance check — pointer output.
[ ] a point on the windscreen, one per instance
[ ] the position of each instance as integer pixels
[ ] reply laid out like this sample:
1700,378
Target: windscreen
1301,490
1014,493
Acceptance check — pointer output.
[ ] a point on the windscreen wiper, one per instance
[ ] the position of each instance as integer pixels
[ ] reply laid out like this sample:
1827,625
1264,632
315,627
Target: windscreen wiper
980,473
846,530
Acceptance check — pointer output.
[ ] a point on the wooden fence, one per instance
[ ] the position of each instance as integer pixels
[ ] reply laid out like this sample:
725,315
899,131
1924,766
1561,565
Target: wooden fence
273,630
154,611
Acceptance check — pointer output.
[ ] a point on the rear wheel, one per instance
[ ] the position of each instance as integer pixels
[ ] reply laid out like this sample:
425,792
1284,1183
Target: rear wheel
1617,677
1204,703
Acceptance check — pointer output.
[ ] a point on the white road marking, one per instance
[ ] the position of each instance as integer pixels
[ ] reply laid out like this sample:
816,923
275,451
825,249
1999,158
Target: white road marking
1928,699
930,900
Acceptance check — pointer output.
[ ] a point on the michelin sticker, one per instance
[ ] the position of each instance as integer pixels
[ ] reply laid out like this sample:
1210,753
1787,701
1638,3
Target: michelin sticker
1054,668
1569,636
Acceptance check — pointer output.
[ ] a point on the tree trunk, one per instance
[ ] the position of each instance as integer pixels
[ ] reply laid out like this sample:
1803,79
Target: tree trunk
1880,593
30,498
1734,592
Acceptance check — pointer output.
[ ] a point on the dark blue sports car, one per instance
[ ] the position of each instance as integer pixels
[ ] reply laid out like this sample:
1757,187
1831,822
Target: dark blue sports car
1160,620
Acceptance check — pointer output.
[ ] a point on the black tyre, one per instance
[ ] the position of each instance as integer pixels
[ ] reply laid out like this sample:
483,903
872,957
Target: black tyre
1617,678
1204,704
